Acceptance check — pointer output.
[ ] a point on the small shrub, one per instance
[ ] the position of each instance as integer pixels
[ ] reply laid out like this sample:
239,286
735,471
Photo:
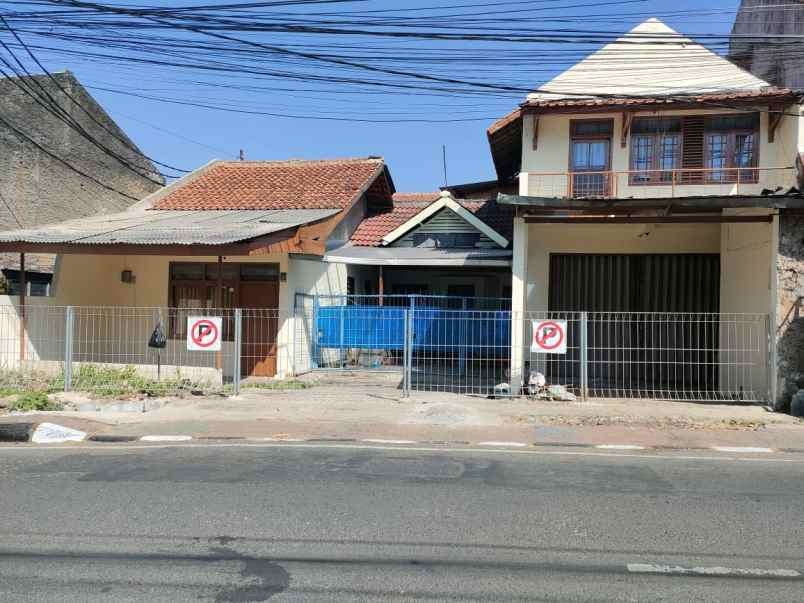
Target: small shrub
34,401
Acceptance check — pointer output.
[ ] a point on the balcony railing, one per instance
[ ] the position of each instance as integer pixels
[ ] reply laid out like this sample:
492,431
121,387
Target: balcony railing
675,183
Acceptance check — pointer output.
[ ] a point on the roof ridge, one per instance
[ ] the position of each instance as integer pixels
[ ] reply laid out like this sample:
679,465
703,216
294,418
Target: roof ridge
300,161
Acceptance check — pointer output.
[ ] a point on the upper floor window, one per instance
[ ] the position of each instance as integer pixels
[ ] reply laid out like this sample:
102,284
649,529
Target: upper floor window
590,157
655,150
730,144
694,149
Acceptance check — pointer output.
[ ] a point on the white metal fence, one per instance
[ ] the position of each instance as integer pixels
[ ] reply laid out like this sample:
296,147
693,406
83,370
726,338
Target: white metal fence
109,349
436,346
672,356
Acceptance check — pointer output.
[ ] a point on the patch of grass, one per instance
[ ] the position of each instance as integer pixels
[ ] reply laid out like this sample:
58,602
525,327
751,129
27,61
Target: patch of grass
13,382
117,382
288,384
34,400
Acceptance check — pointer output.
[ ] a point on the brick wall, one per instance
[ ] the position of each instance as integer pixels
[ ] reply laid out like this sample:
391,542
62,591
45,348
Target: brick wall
37,189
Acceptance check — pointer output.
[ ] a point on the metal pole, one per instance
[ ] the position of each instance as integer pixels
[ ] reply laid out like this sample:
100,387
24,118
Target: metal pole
771,331
584,356
238,350
315,361
343,333
219,305
23,312
69,330
408,355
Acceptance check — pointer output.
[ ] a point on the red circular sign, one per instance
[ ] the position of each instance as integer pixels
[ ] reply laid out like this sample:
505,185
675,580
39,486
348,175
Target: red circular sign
203,329
548,330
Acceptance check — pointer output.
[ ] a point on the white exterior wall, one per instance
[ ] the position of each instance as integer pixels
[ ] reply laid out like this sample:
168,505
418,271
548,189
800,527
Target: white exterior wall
748,286
94,280
544,239
545,168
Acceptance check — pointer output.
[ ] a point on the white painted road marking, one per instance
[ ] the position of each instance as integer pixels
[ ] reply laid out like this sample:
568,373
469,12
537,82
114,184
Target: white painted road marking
741,449
620,447
511,444
166,438
389,441
650,568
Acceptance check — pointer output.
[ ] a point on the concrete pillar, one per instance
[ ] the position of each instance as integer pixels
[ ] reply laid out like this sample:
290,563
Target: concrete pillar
519,303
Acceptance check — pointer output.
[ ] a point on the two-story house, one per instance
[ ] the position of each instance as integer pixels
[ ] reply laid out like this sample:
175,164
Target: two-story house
656,181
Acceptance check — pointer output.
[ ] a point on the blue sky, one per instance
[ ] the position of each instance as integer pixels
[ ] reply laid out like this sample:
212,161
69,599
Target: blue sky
188,136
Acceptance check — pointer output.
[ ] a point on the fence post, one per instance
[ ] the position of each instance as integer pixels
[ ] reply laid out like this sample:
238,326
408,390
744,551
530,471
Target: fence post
406,356
69,330
584,355
771,334
238,350
314,361
342,334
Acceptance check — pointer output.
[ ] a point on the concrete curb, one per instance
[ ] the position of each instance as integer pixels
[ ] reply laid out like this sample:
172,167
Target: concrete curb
16,432
22,432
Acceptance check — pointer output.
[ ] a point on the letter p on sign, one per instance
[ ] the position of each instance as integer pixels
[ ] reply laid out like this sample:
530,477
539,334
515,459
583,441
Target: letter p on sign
549,337
204,333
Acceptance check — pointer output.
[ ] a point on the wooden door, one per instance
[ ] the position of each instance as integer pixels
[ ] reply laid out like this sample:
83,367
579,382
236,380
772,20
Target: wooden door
260,303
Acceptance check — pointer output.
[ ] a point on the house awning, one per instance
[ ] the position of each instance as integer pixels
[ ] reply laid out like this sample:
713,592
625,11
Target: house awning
418,256
659,210
193,232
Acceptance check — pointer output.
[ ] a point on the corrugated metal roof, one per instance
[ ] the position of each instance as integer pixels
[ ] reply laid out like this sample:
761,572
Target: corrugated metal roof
169,227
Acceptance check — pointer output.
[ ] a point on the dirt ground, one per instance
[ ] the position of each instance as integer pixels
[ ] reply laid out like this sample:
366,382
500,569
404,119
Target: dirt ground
371,405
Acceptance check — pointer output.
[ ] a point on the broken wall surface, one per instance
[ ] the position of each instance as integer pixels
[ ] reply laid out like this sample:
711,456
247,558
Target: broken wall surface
790,321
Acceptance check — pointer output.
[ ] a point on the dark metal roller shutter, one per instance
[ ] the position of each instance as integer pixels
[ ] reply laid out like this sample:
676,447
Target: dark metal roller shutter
675,350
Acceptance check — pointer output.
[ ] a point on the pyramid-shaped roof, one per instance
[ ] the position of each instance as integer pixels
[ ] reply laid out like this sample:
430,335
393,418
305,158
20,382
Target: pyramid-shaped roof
650,60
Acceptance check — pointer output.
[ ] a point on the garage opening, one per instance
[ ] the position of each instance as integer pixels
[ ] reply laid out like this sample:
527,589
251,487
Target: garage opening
653,324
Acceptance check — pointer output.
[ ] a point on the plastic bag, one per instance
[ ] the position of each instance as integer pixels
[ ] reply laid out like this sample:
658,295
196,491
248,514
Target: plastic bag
158,338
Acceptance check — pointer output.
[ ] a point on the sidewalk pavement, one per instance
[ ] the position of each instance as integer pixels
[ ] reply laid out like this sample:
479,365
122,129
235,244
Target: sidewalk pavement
370,407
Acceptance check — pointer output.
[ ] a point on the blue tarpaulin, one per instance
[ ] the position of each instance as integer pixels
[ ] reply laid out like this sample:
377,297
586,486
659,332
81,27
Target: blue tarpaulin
383,327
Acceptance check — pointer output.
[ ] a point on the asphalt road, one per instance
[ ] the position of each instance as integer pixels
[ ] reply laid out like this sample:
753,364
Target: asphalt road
240,524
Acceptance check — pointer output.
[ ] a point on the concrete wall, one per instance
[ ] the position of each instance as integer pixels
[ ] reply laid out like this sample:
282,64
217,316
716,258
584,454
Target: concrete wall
768,54
789,316
546,166
748,292
39,189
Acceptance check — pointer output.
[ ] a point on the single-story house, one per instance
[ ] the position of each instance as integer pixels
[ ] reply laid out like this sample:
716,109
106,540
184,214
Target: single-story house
256,235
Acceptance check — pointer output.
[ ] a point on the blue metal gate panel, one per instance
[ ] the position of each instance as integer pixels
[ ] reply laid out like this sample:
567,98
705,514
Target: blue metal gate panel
383,327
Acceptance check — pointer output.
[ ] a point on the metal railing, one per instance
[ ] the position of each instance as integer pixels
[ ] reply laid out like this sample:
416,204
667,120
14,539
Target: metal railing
672,183
672,356
109,350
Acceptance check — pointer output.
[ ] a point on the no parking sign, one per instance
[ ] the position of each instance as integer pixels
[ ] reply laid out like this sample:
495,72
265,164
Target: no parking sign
549,336
204,333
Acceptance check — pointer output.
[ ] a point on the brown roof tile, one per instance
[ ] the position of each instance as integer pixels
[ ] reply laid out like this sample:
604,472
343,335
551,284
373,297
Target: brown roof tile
373,228
416,196
561,103
293,184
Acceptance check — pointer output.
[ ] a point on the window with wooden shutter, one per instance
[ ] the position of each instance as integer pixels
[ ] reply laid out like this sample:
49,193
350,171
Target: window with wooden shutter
692,151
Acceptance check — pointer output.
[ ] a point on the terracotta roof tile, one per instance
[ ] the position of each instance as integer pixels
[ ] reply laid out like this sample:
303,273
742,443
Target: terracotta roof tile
293,184
416,196
561,103
373,228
